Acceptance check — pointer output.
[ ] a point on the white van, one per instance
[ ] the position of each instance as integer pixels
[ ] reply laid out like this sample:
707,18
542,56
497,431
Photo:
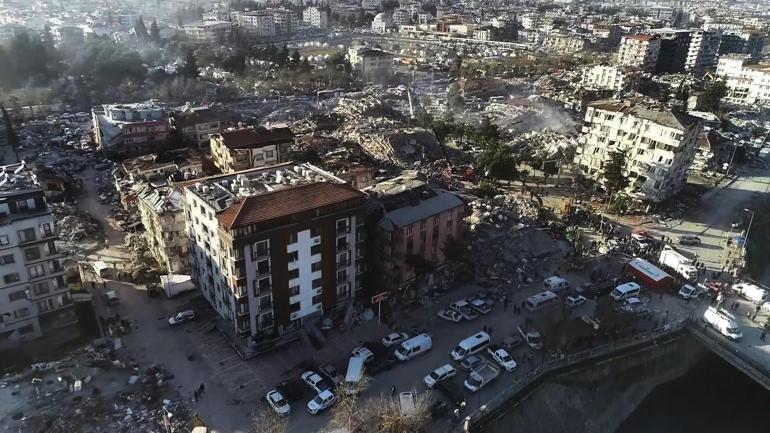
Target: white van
623,291
469,346
541,300
414,346
354,373
555,284
723,322
751,292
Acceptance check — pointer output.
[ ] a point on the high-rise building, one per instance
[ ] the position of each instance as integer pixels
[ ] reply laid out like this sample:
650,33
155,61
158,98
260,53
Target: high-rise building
34,300
747,83
315,17
274,248
640,51
695,51
659,146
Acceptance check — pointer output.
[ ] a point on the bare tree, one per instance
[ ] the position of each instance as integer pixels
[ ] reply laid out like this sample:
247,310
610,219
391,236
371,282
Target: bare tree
385,415
267,421
347,414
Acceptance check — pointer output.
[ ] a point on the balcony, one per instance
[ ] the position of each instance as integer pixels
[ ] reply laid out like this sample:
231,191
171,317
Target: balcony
342,246
240,292
343,230
242,312
343,264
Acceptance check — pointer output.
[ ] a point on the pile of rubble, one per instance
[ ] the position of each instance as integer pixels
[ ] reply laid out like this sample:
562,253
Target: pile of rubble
499,230
544,144
90,391
78,231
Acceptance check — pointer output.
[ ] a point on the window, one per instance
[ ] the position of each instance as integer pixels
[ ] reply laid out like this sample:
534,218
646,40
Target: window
36,270
409,230
6,259
27,235
294,273
47,229
266,320
293,308
342,243
22,204
423,226
315,267
263,267
15,296
317,299
293,238
317,283
32,253
269,154
260,249
342,276
315,249
293,291
3,240
342,259
342,225
259,157
266,302
11,278
21,312
261,285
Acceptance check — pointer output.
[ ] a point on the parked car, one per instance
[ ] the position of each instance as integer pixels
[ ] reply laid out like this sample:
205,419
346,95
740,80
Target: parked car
315,381
321,402
574,301
642,239
329,372
450,315
277,402
181,317
502,357
442,373
394,339
688,240
470,362
363,352
479,305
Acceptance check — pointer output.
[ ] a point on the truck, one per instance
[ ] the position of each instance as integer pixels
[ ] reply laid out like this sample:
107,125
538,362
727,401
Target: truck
752,292
723,322
649,275
354,374
531,336
678,262
480,376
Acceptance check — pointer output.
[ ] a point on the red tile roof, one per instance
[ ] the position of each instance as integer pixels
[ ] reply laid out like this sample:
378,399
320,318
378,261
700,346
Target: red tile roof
277,204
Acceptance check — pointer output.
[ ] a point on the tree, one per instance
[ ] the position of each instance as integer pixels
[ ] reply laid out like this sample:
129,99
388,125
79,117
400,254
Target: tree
141,30
295,59
386,416
190,67
10,133
614,179
549,168
154,32
267,421
498,162
712,96
682,92
347,414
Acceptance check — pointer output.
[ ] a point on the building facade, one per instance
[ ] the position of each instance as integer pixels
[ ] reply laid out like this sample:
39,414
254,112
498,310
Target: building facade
275,248
747,83
610,77
371,64
257,24
242,149
129,130
34,300
639,51
164,226
565,44
659,146
315,17
694,51
209,32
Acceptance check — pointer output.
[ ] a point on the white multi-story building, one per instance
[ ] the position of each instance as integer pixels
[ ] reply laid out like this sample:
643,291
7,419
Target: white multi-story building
640,51
703,52
274,248
285,20
371,64
747,83
34,297
208,31
258,24
610,77
659,146
382,23
315,17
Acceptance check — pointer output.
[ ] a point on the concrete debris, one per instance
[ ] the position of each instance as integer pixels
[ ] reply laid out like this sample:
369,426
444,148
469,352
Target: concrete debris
78,231
87,391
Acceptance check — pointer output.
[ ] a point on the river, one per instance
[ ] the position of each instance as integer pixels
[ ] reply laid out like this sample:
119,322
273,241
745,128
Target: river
713,397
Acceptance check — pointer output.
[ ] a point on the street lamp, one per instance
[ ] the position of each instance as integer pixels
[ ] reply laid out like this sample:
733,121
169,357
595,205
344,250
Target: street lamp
751,220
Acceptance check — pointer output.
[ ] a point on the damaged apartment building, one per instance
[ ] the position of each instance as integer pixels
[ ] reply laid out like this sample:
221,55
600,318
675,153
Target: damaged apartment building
273,249
246,148
35,300
413,222
659,145
161,213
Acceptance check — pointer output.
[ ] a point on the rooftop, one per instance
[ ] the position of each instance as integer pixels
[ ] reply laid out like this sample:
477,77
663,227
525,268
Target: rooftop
226,191
406,200
662,116
17,178
163,199
276,204
179,157
248,138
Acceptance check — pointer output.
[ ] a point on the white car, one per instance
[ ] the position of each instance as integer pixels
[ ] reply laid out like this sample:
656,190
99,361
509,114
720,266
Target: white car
277,402
502,357
363,352
442,373
322,401
181,317
315,381
451,315
574,301
394,338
